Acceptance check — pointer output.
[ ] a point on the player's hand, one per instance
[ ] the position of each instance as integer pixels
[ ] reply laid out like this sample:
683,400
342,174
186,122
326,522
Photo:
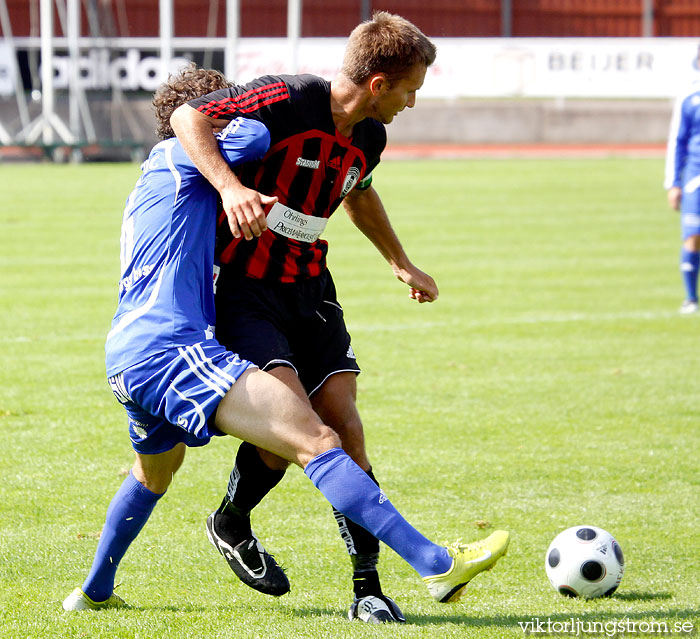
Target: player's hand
674,197
422,287
245,210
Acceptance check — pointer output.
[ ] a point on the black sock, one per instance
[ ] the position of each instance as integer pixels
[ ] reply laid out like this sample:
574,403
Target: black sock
250,480
363,548
365,583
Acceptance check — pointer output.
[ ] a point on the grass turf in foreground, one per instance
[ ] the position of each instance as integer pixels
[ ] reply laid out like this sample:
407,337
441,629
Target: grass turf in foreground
552,384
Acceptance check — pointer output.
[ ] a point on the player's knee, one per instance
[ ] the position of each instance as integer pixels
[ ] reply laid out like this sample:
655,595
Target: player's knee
156,482
326,439
156,472
323,439
692,243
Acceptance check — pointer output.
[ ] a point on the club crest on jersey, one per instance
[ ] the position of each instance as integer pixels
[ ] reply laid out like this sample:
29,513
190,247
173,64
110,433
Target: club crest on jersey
350,180
308,164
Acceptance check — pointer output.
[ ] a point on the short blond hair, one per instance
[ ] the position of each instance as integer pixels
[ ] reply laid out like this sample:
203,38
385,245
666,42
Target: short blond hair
386,44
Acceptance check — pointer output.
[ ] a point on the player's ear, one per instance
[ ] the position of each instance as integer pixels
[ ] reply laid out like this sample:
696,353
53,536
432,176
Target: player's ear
378,83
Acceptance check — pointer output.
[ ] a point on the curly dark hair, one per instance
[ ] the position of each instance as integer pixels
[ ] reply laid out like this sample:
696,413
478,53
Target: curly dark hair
190,83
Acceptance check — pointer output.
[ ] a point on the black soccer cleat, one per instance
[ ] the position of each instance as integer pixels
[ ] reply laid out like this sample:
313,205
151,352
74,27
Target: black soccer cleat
251,563
376,609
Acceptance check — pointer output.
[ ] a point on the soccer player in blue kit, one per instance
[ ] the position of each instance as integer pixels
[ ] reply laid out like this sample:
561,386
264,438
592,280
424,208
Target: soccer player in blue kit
180,387
276,302
682,183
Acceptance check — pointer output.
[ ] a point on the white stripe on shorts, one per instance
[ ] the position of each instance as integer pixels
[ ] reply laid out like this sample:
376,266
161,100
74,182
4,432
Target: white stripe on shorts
228,379
198,409
116,383
198,367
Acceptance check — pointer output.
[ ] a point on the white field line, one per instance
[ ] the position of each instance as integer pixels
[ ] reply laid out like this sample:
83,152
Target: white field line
554,318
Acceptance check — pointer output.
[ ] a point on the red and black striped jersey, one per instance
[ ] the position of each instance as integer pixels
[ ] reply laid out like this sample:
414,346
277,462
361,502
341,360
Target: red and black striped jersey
310,167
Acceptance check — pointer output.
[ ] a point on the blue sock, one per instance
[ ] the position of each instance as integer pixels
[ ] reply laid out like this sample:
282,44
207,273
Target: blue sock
128,511
690,263
350,490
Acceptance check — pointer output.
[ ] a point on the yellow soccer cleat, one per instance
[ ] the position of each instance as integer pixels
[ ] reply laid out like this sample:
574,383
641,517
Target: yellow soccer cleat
469,561
78,600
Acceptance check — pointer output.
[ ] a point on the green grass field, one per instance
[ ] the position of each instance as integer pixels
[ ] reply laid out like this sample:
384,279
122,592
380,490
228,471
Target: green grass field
552,384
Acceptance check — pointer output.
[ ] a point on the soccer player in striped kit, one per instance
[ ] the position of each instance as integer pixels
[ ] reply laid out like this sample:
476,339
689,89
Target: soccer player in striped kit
180,387
683,186
276,302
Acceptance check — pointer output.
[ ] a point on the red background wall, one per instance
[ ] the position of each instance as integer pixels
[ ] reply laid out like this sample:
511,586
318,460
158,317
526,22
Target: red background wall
438,18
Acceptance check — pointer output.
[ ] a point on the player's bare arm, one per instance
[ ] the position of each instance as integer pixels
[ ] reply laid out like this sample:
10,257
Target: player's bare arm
367,213
244,207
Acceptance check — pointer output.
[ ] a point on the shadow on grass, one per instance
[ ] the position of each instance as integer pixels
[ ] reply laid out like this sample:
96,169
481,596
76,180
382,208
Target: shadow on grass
174,608
642,596
233,609
512,621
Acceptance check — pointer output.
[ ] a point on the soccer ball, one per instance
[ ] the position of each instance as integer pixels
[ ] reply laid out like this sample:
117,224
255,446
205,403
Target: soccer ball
585,561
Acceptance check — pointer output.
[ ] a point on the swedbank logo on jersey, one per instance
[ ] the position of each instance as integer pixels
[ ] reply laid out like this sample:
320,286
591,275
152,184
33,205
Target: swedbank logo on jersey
350,180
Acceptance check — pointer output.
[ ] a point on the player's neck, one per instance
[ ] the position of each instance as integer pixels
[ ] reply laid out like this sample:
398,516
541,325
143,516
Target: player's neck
348,102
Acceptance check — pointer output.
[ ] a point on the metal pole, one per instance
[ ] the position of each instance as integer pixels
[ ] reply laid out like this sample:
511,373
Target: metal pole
506,18
648,19
79,109
19,88
365,10
233,32
166,37
48,121
47,101
73,33
294,8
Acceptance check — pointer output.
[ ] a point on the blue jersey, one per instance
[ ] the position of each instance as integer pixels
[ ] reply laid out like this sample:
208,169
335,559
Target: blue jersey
683,152
166,291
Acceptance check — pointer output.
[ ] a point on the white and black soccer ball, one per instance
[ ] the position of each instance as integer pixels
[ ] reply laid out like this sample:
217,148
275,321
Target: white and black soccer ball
585,561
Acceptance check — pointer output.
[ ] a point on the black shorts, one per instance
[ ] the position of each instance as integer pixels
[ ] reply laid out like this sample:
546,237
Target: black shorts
299,325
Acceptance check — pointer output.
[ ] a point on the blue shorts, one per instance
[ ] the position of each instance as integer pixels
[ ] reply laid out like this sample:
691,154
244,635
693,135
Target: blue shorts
171,397
690,204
